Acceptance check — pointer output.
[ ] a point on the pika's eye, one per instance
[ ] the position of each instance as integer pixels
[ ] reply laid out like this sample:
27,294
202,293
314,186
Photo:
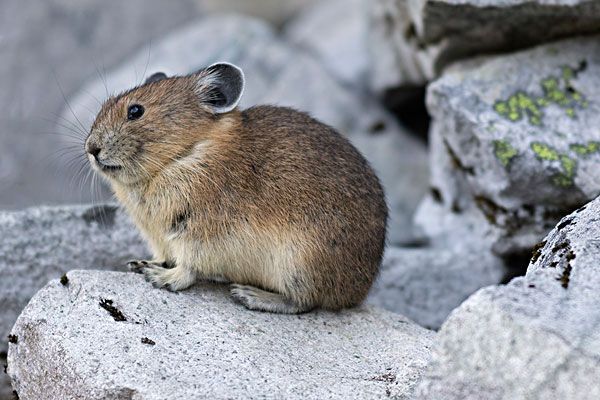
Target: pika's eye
135,112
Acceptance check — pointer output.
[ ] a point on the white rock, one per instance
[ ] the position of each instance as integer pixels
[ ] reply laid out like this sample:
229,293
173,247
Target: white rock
200,344
535,338
520,130
426,284
278,73
336,32
39,244
413,40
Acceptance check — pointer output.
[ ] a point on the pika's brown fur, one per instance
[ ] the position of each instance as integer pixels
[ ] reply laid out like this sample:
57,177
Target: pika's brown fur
268,198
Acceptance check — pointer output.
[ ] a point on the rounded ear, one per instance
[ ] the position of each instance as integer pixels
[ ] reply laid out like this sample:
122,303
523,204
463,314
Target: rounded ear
159,76
221,86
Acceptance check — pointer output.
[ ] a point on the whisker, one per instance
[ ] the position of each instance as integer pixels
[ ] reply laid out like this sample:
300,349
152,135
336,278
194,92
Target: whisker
67,101
147,63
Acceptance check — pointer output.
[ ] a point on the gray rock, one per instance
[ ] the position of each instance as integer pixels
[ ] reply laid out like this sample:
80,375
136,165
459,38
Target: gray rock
40,244
519,135
336,32
278,73
146,343
426,284
53,46
535,338
415,39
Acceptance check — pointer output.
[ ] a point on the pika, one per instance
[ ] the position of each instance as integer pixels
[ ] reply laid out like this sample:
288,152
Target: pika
272,201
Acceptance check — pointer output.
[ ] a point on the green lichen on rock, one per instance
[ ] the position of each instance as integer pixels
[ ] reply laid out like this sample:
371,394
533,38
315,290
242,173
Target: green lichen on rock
544,152
585,149
557,90
504,151
568,165
518,105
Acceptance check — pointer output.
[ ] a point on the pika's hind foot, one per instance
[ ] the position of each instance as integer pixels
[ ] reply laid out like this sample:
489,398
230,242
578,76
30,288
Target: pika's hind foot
257,299
172,279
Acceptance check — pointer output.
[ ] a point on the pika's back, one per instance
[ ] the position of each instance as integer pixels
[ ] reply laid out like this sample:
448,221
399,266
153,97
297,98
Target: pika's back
295,151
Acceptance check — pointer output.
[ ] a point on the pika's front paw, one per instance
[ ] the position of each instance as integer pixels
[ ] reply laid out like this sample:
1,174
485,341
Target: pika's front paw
138,266
172,279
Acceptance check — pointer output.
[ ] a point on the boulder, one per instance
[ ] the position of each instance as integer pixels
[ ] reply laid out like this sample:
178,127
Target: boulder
39,244
514,137
427,283
111,335
278,73
49,48
535,338
413,40
335,32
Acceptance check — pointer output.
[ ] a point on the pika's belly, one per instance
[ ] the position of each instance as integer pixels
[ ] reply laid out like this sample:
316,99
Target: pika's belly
257,259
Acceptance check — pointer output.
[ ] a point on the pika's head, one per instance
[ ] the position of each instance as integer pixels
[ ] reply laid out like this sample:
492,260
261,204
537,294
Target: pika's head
139,132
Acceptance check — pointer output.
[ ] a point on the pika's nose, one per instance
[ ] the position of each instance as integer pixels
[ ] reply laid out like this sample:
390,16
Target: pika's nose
94,150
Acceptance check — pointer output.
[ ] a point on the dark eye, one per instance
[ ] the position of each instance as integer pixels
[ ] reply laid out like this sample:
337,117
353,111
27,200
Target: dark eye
134,112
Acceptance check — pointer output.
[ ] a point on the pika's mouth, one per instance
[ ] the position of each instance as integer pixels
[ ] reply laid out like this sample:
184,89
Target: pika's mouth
107,167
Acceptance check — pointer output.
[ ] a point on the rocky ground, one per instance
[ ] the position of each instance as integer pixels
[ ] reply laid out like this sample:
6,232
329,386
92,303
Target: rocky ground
493,232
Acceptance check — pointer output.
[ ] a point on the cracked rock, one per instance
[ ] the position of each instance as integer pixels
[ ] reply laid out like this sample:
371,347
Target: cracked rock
200,344
514,138
535,338
414,40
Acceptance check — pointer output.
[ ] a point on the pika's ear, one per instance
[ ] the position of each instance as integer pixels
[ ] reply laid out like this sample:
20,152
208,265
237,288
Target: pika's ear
220,86
159,76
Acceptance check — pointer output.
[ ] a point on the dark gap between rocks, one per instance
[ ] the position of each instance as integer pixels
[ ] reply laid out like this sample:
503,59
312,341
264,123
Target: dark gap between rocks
408,105
516,265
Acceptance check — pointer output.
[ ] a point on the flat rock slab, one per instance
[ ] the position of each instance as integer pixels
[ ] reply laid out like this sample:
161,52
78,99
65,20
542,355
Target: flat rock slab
521,132
111,335
535,338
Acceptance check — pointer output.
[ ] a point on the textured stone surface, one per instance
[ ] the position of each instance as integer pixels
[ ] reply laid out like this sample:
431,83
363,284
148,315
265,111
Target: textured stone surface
200,344
426,284
40,244
535,338
335,32
53,45
278,73
520,136
415,39
396,61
